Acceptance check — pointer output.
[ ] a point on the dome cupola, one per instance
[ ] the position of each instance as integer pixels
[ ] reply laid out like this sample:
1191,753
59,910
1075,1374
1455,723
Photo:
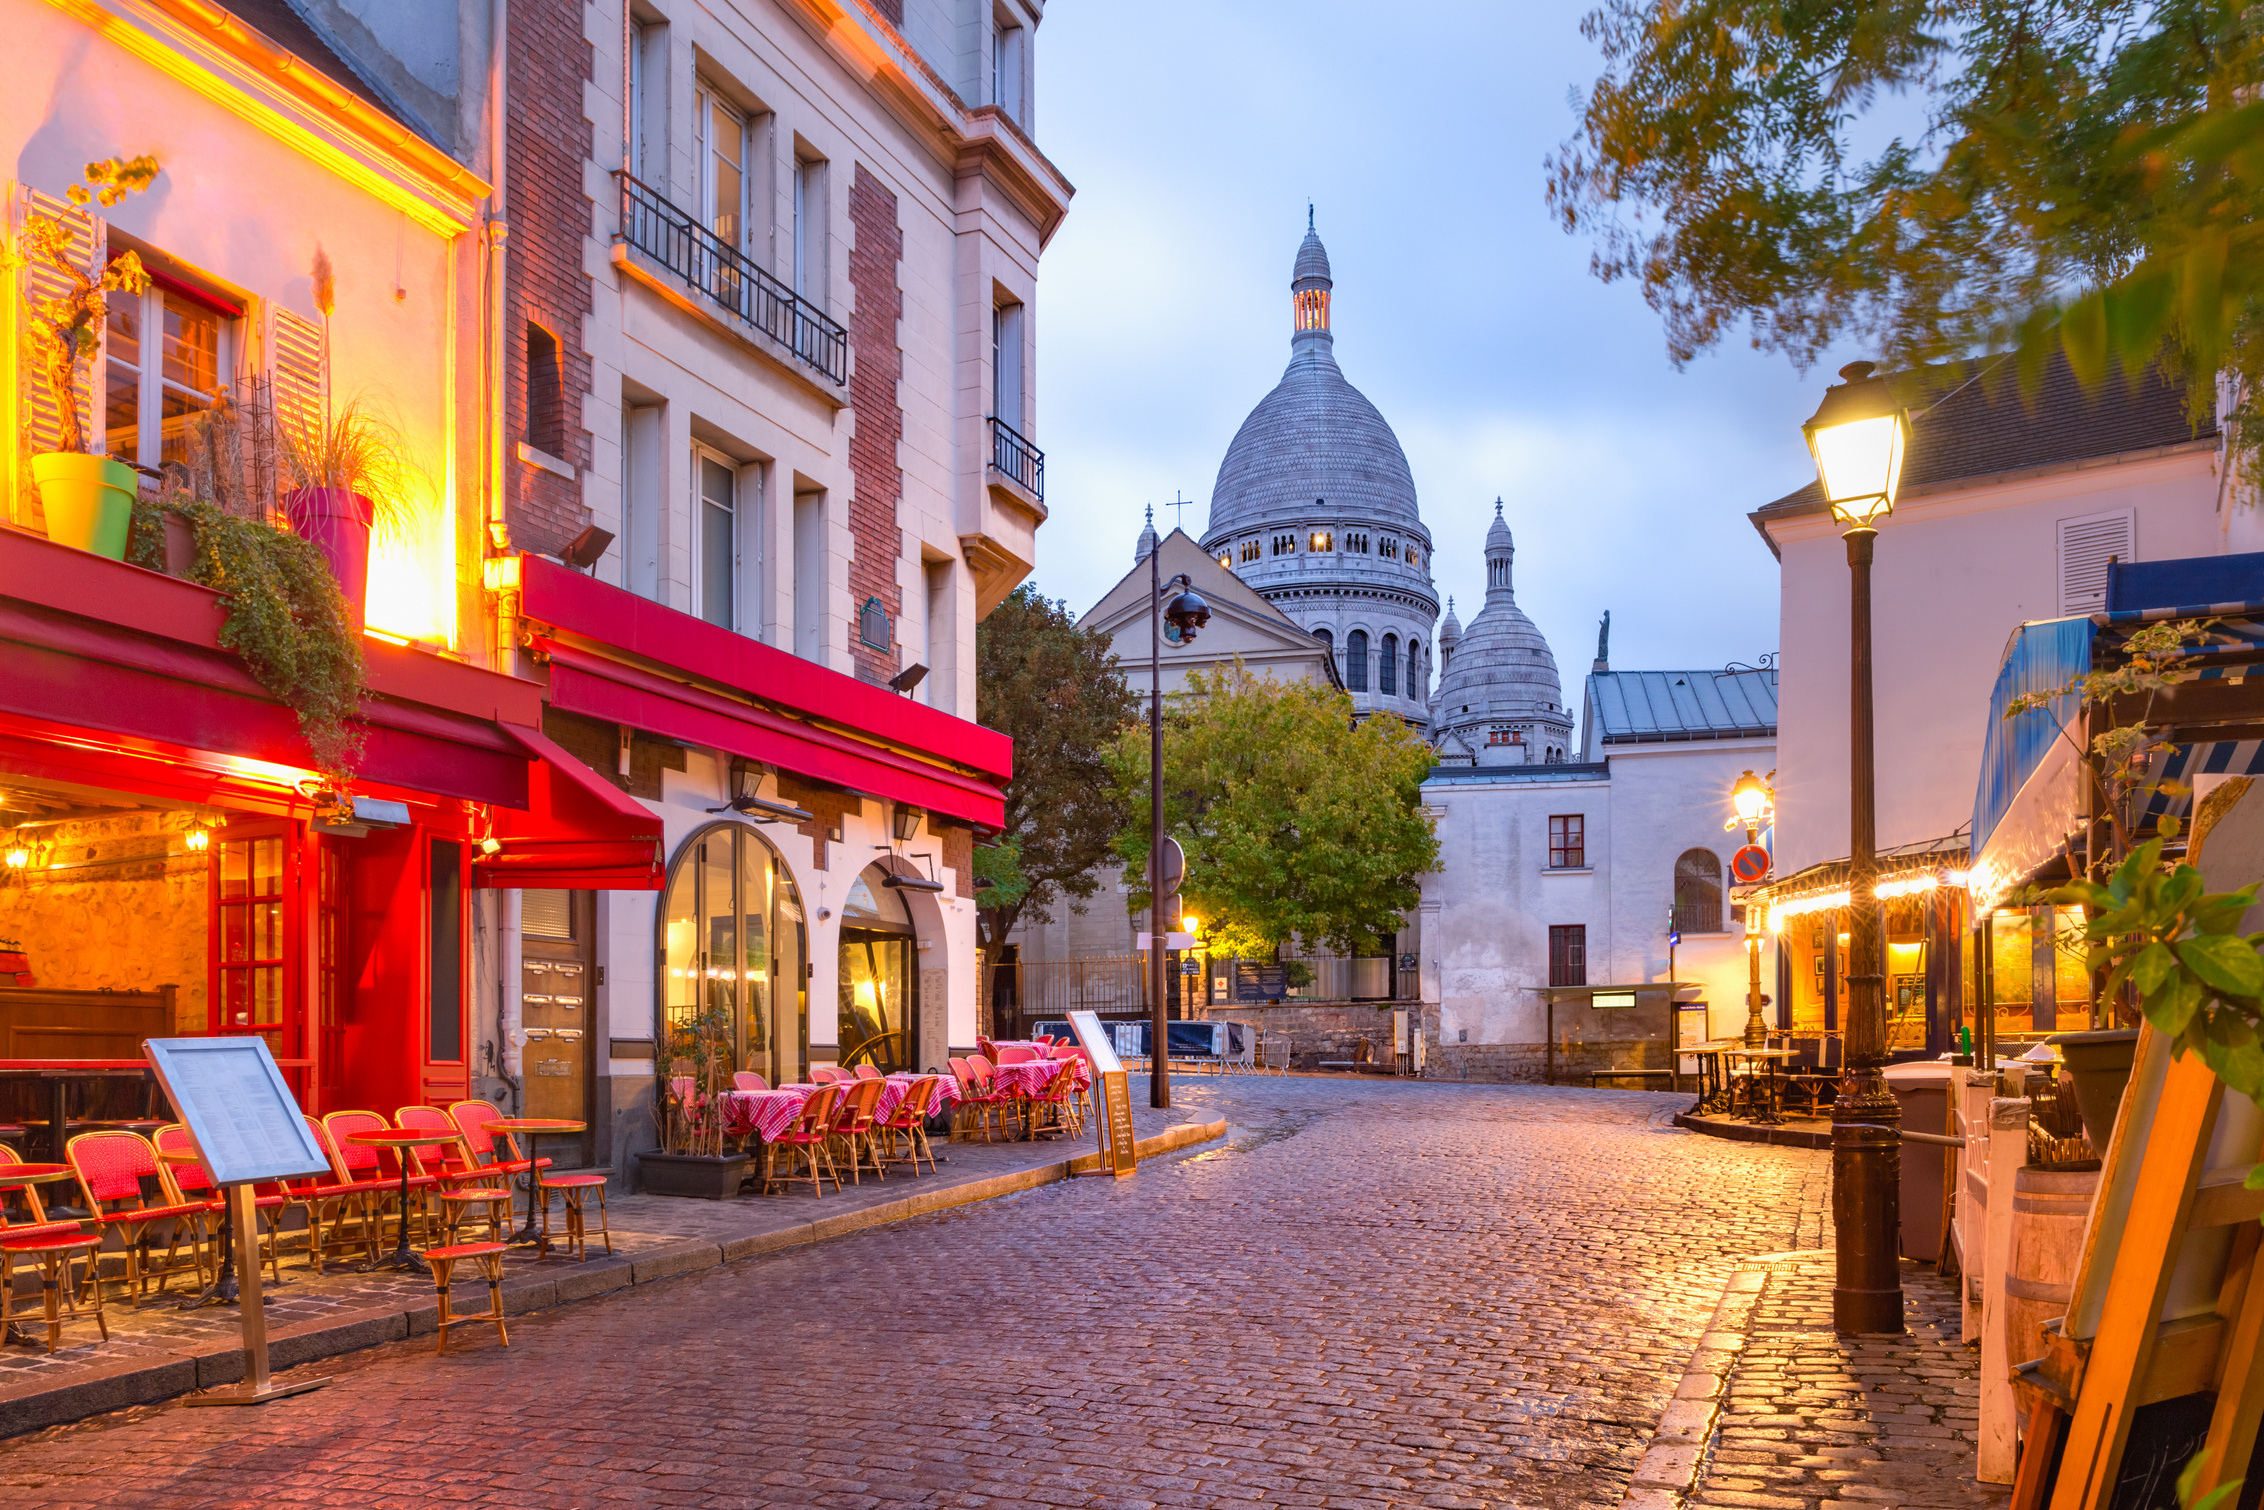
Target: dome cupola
1450,635
1309,285
1147,545
1498,684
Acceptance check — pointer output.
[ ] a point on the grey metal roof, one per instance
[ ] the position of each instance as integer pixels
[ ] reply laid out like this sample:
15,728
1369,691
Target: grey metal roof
1657,707
1312,258
1561,771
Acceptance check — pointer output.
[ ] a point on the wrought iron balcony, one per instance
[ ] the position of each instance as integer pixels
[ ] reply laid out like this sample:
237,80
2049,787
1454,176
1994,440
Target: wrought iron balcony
1020,461
724,274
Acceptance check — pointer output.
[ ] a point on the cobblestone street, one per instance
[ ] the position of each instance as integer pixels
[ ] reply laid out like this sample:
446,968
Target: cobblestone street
1376,1294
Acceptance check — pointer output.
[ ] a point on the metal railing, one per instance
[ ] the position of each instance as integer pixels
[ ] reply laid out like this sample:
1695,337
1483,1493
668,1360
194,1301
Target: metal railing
1014,456
717,269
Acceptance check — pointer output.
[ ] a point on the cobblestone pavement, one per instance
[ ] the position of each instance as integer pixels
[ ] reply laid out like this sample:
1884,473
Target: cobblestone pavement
1811,1419
1378,1293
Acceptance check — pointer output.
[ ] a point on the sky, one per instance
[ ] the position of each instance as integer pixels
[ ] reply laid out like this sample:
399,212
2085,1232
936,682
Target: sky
1195,134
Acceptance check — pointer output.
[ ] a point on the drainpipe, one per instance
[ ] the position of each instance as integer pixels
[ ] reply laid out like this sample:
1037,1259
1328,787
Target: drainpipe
498,307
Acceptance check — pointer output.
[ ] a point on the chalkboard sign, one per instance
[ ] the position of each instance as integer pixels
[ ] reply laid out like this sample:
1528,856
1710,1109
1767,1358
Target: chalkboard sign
245,1122
1260,980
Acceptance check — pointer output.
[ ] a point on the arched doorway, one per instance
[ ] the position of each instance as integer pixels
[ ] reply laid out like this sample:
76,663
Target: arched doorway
880,976
733,942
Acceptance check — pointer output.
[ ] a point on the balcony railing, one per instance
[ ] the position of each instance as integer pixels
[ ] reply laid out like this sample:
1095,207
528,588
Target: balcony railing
717,269
1017,458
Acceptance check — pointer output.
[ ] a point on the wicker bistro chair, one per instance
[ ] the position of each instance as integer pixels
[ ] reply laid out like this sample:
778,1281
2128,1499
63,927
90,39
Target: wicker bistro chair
910,1121
471,1118
36,1218
459,1185
869,1072
329,1202
748,1080
853,1124
979,1104
1015,1056
488,1258
808,1135
1061,1097
1084,1078
193,1182
1004,1102
111,1167
362,1163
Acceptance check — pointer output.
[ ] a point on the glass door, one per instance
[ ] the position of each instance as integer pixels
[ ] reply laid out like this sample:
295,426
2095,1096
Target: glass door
254,911
732,966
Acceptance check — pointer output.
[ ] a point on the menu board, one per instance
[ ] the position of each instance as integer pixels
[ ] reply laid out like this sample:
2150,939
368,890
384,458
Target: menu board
243,1117
1120,1152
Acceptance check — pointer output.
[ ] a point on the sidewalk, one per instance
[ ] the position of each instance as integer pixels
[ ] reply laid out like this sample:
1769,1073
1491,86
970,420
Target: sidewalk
1778,1412
160,1351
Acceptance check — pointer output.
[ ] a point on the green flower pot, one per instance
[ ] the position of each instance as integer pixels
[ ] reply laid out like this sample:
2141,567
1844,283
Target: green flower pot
88,500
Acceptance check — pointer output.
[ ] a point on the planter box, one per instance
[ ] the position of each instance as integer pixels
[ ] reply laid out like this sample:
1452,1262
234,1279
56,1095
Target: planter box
702,1176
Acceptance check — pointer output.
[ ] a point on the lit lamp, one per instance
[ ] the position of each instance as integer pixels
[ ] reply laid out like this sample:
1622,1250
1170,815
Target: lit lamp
1176,620
198,839
1858,437
1752,800
18,857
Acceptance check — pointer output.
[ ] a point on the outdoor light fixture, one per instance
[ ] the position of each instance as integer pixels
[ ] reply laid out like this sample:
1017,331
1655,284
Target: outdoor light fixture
585,549
198,839
491,845
1751,799
746,780
1185,613
1858,436
906,822
911,676
18,857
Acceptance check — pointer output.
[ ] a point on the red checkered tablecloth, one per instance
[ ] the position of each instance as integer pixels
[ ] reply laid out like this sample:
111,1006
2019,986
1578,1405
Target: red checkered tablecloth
1030,1078
769,1113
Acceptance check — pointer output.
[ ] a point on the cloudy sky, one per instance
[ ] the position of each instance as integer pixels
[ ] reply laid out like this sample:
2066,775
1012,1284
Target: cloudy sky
1196,131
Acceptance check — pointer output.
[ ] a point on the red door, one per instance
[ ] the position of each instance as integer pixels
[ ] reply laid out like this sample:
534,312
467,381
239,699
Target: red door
256,948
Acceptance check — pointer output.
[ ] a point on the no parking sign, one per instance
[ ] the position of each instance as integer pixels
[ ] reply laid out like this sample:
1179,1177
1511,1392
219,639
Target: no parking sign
1750,864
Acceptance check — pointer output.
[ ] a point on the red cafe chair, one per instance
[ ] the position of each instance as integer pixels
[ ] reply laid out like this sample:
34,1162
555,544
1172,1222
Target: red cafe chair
364,1164
193,1182
111,1166
808,1135
854,1123
869,1072
1016,1056
339,1194
978,1102
910,1120
748,1080
462,1185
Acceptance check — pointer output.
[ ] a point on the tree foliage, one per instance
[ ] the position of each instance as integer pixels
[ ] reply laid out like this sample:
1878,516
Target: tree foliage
2082,175
1055,689
1296,823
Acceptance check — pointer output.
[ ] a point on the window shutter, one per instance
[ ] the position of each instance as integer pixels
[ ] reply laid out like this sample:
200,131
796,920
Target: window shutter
2085,547
296,371
42,426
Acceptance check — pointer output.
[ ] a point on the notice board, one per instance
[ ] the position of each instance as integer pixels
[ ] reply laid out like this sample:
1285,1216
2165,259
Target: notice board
246,1123
1120,1153
1260,980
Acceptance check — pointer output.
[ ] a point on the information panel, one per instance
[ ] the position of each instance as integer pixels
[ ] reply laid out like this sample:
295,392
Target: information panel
1120,1152
246,1123
1260,980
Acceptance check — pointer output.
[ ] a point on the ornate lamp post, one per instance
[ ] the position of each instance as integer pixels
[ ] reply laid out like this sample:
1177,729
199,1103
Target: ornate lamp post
1858,436
1753,801
1185,614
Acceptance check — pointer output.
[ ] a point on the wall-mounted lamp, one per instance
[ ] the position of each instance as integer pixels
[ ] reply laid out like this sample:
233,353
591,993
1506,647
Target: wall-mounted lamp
198,839
907,822
18,857
745,781
907,679
585,549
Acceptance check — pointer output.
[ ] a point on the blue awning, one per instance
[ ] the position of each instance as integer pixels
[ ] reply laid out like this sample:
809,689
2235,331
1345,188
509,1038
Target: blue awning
2041,656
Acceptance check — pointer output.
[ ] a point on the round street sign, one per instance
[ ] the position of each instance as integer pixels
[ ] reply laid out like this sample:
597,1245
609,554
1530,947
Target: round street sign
1750,863
1174,865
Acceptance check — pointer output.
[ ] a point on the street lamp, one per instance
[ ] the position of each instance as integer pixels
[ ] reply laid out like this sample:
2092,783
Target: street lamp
1858,437
1185,613
1753,801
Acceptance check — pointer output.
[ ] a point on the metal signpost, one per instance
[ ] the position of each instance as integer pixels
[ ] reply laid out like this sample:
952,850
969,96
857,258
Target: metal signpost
1120,1152
247,1128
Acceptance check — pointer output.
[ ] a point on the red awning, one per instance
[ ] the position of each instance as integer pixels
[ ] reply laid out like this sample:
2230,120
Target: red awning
579,831
604,689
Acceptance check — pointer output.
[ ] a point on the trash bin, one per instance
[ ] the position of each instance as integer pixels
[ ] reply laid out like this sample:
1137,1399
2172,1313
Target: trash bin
1922,1089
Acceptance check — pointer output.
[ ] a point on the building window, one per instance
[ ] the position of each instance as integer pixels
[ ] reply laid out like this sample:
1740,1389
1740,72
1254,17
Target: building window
1285,545
1006,365
1568,955
716,539
809,228
1387,667
1497,573
1226,559
1503,734
1568,841
1006,72
1356,661
1357,543
1250,549
153,388
1327,638
1414,556
1319,541
1387,546
546,394
1698,892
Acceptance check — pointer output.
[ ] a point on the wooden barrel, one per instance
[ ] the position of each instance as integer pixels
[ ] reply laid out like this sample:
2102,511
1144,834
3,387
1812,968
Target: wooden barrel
2049,1209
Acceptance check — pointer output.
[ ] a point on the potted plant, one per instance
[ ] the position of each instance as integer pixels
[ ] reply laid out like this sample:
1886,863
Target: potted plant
331,465
88,499
688,1107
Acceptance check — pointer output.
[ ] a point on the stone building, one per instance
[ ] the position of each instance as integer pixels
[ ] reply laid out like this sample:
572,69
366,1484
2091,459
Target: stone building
1499,701
1315,508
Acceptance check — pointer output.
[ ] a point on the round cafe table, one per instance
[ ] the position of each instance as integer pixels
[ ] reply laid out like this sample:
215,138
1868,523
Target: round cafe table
16,1177
400,1140
539,1238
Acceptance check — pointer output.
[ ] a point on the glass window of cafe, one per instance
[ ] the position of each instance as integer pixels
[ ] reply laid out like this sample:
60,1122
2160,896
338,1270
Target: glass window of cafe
733,946
879,976
2037,980
1816,946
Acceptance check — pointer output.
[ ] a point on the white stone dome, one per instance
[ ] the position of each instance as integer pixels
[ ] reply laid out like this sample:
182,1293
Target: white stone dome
1499,688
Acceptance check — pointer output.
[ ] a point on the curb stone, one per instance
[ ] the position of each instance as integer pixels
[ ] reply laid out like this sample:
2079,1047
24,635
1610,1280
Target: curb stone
1677,1449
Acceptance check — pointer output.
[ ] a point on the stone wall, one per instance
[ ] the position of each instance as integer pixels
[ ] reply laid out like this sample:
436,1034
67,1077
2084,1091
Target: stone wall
115,902
1324,1031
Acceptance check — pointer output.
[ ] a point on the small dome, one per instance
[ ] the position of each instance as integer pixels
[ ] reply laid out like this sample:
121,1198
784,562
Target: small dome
1312,258
1451,631
1147,545
1502,670
1497,536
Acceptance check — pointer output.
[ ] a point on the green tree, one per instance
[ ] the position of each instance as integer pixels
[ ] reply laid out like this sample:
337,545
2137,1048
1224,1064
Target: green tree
1055,689
2082,175
1298,824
